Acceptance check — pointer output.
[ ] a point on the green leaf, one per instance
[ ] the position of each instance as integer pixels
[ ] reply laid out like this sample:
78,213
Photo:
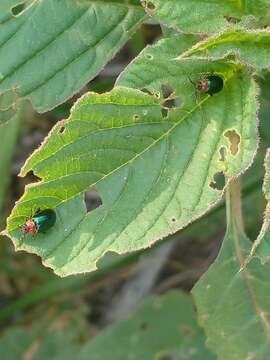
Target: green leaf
52,287
62,44
156,67
17,343
249,47
18,337
8,137
7,8
162,328
8,106
163,325
9,127
261,247
122,133
233,304
142,163
51,337
201,16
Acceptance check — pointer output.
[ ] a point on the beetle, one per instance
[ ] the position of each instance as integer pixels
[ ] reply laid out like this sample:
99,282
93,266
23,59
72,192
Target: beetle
40,222
211,84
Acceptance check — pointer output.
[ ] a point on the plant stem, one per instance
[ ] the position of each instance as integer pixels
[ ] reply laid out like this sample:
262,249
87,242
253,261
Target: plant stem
234,204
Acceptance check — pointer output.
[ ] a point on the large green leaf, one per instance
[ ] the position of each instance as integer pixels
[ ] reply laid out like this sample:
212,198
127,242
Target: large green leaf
54,47
203,16
249,47
163,328
233,304
146,166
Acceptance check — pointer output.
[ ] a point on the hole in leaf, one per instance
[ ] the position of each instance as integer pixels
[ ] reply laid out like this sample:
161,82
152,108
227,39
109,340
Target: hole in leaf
223,153
164,112
92,200
62,129
149,56
231,19
218,182
170,103
146,91
136,117
167,91
234,139
33,177
149,5
173,219
170,99
16,10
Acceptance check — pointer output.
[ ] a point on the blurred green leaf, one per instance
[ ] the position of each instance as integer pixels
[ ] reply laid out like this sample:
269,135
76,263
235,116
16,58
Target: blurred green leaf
233,301
54,286
261,247
55,338
62,44
9,128
162,326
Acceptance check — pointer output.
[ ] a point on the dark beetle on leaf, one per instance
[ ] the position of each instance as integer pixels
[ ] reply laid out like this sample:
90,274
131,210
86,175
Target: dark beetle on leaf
40,222
211,84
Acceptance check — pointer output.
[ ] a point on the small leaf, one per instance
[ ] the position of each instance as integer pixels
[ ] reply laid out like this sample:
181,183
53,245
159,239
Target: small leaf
233,302
63,44
249,47
201,16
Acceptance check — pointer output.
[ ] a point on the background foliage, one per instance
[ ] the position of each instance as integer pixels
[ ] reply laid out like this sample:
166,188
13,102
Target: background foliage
100,117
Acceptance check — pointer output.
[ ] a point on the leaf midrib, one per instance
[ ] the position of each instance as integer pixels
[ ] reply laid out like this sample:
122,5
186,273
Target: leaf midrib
165,134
